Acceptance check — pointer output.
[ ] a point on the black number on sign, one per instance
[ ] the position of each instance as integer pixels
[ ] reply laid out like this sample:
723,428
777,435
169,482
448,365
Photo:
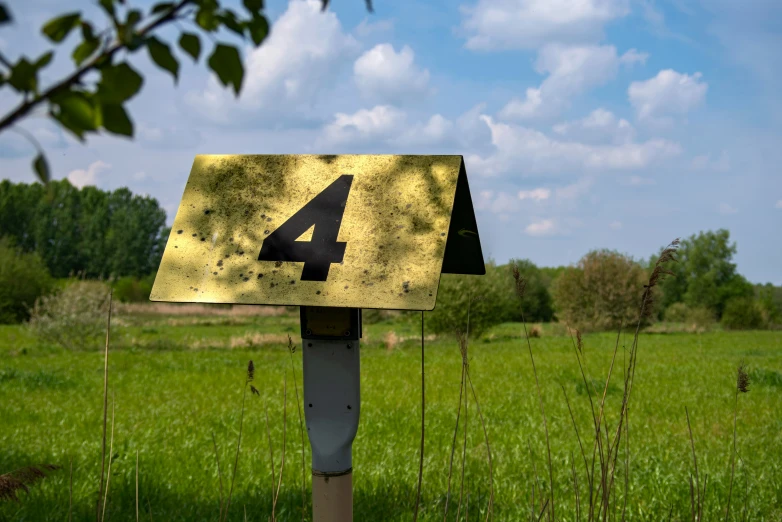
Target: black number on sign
325,212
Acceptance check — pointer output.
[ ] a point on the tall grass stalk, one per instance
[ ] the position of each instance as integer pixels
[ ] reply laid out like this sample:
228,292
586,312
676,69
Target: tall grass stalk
520,285
250,377
453,444
282,459
219,475
111,451
423,410
742,385
136,485
105,407
291,350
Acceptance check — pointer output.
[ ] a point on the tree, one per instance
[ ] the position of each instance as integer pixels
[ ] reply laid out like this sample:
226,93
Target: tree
602,291
704,275
23,279
90,107
536,302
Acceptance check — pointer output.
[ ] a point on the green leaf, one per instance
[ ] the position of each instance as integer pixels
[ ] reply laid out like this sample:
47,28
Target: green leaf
76,112
253,5
227,64
228,18
161,7
134,16
24,77
116,120
84,50
161,55
259,29
57,29
86,31
43,60
190,43
41,168
5,16
119,83
108,8
207,20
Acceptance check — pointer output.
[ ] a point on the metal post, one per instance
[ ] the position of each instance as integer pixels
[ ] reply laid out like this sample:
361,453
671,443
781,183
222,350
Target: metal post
332,405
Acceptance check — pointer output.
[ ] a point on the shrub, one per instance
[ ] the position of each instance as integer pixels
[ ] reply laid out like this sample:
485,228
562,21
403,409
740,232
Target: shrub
74,317
601,292
700,318
132,289
742,313
493,302
677,313
23,279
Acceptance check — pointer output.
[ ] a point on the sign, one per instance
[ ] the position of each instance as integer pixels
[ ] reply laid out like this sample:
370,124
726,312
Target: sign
358,231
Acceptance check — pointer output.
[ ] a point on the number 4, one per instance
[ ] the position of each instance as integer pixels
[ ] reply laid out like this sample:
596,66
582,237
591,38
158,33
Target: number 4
324,211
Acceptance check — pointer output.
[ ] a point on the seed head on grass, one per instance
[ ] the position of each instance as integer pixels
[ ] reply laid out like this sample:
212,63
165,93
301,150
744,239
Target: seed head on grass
250,371
742,378
20,480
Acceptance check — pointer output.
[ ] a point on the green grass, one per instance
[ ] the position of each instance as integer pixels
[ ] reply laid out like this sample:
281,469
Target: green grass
170,398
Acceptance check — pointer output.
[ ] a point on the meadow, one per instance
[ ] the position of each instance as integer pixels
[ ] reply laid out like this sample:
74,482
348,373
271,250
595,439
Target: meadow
177,382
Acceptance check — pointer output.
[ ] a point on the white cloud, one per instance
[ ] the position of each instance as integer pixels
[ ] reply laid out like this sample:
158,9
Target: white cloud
637,181
497,202
382,73
779,204
81,178
367,28
575,190
527,24
704,162
303,53
668,93
538,194
376,124
726,209
140,176
615,225
542,227
571,70
599,126
632,57
520,150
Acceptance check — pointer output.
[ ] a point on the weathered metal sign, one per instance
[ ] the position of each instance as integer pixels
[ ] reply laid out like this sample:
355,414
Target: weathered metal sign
359,231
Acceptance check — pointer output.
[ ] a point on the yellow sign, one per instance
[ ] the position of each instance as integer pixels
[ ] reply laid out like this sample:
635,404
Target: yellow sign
348,231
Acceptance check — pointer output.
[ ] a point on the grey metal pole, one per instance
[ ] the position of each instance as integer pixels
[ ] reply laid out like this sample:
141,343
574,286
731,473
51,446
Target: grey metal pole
332,406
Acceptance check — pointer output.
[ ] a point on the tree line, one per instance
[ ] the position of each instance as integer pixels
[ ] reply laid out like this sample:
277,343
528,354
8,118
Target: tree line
86,232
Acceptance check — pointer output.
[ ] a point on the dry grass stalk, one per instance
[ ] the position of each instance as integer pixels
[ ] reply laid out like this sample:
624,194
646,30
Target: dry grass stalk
111,459
390,339
248,380
21,479
455,432
291,351
423,410
284,425
697,513
521,285
742,386
219,474
489,510
105,406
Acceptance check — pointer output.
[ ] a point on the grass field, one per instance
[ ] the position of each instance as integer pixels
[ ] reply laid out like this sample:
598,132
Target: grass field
176,380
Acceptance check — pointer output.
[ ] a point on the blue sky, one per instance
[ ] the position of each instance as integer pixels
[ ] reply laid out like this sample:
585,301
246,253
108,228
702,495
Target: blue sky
584,124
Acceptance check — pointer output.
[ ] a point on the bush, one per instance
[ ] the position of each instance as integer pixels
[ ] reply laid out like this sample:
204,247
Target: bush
74,317
133,290
23,279
602,292
493,302
742,313
700,318
677,313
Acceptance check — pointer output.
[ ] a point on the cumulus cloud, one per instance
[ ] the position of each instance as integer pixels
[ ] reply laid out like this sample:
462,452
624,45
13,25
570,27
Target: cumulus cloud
367,28
497,202
599,126
376,124
632,57
82,177
668,94
538,194
543,227
726,209
520,149
528,24
571,70
382,73
704,162
305,50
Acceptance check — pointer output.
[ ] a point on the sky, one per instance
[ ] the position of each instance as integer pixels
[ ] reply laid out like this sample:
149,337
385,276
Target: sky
618,124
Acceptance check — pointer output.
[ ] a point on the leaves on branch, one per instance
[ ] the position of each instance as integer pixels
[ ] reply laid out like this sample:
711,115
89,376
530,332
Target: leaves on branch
161,7
206,19
253,5
24,76
191,44
76,112
116,120
160,53
58,28
84,50
259,29
119,83
41,167
5,15
229,20
227,64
